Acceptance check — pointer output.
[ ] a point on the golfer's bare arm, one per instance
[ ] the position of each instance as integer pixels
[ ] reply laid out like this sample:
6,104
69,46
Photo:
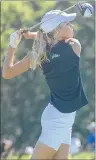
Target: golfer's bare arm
10,69
30,35
76,46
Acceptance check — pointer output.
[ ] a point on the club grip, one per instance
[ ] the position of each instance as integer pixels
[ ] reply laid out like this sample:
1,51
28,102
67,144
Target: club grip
25,31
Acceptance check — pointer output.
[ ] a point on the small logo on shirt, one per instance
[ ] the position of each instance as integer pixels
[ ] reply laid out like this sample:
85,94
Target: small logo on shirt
55,56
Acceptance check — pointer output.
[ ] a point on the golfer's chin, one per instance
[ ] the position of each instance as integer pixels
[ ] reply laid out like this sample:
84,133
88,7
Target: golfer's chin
70,35
67,36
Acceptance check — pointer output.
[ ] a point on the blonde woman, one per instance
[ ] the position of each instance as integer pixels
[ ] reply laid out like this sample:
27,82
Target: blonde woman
58,54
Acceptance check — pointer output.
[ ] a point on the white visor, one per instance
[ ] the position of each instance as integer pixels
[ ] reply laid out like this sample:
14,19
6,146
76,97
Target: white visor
52,20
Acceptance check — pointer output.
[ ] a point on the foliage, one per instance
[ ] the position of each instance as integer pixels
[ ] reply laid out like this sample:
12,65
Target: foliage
25,97
82,155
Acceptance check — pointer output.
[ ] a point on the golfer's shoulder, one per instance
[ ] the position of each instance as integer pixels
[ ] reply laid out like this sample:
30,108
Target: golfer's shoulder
64,45
76,46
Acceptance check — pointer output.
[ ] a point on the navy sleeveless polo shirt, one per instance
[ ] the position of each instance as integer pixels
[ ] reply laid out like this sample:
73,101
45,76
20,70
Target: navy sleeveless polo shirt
62,74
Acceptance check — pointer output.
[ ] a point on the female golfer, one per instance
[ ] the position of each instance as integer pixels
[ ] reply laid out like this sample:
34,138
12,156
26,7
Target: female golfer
58,55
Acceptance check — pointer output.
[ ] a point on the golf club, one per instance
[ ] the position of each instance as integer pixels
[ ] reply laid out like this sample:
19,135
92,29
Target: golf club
85,9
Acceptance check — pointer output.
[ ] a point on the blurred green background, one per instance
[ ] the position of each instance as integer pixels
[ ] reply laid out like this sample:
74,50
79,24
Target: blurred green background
24,98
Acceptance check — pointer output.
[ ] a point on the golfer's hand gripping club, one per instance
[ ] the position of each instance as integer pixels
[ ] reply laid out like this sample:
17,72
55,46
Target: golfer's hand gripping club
25,31
15,38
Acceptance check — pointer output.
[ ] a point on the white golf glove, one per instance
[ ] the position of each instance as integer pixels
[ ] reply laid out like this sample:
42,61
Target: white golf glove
15,39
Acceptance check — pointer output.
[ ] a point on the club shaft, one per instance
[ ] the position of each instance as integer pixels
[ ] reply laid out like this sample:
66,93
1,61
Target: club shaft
38,24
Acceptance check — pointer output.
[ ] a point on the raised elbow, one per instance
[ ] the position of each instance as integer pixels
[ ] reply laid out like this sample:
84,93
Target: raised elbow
6,74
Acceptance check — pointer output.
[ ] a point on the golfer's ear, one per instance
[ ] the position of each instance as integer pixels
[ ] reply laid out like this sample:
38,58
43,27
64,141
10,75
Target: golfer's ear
76,46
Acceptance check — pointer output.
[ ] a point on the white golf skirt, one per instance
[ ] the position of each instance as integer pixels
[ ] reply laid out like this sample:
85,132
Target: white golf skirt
56,127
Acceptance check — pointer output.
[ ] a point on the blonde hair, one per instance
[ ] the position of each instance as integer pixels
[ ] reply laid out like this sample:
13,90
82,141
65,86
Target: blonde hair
39,52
